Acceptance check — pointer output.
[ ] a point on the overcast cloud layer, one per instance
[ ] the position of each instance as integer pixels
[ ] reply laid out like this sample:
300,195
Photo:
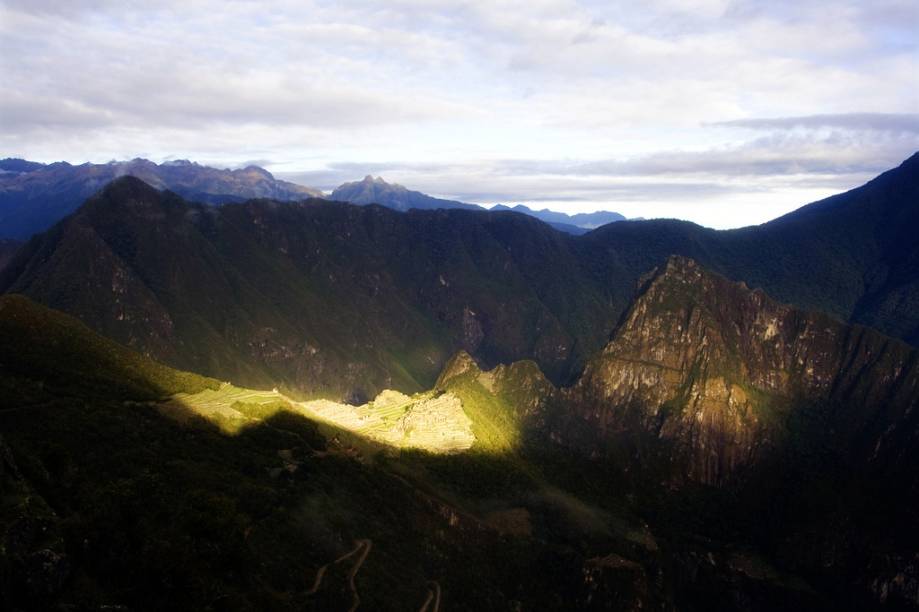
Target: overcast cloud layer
722,112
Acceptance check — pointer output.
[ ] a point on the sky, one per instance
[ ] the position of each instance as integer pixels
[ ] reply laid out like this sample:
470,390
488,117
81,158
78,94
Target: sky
726,113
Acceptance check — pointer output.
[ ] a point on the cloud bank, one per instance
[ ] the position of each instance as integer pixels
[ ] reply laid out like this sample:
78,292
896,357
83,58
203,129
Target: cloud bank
726,114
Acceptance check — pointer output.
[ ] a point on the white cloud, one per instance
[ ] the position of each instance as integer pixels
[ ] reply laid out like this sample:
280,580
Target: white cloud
600,100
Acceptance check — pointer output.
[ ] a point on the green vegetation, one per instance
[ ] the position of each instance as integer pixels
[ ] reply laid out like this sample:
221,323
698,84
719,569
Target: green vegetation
40,341
227,498
106,502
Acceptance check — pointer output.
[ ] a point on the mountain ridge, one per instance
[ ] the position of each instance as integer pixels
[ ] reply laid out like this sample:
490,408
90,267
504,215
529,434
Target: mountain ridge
34,196
720,369
375,190
535,507
263,282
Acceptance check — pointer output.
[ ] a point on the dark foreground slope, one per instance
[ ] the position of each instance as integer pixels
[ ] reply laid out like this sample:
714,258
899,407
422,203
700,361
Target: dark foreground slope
108,502
8,248
326,298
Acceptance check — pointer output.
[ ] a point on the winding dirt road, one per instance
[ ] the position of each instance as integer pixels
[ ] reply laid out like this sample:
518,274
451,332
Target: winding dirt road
362,549
433,597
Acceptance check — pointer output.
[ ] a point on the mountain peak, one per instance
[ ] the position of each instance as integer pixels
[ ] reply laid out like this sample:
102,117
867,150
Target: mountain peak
129,185
253,169
679,265
126,191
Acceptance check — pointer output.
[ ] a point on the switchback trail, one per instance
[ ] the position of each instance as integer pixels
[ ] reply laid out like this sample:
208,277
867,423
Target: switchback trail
433,597
362,549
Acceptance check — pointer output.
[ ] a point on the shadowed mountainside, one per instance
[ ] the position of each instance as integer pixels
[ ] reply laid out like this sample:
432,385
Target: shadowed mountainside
315,296
8,248
765,423
109,501
725,378
330,299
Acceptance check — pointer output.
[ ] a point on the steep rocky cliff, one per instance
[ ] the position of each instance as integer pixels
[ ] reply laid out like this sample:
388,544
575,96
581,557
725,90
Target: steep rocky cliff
507,404
710,377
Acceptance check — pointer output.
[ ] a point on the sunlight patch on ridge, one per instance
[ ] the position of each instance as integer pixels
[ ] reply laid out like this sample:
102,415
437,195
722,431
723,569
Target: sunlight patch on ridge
429,421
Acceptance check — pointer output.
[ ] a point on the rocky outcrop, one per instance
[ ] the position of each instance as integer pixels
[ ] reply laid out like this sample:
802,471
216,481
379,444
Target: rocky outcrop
720,375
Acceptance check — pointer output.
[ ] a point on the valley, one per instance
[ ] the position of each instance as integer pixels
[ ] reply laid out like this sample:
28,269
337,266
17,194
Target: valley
507,460
630,325
340,302
451,409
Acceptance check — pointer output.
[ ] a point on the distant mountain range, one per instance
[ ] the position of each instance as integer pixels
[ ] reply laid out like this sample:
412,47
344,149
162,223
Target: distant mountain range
582,221
377,191
34,196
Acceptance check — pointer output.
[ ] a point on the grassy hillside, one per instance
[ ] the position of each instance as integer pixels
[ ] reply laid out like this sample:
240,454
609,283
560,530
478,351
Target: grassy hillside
106,502
108,499
42,348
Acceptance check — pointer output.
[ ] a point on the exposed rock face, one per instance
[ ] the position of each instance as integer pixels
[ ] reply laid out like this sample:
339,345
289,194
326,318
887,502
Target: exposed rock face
720,374
377,191
35,196
521,385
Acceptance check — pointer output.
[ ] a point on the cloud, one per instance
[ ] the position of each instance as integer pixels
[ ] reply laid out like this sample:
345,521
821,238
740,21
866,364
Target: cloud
578,103
887,122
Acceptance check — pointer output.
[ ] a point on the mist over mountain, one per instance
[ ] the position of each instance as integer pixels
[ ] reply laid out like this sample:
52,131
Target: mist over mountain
34,196
377,191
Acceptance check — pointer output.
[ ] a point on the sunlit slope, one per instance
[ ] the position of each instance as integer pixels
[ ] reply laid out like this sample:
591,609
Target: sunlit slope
434,422
504,403
107,503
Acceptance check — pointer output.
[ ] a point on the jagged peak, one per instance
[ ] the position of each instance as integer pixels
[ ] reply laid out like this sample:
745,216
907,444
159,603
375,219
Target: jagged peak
682,285
677,267
371,180
679,264
457,365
